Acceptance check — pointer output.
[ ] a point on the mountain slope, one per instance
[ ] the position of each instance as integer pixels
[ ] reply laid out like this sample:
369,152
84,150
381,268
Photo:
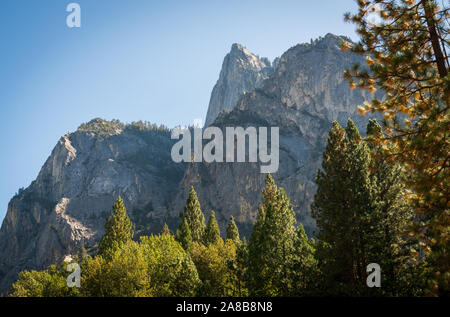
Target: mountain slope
66,206
241,72
302,97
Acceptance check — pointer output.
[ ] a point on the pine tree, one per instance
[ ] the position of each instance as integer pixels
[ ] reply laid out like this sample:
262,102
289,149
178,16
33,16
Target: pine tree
271,248
212,231
232,231
118,229
342,206
183,236
165,230
390,246
305,264
406,58
194,216
360,216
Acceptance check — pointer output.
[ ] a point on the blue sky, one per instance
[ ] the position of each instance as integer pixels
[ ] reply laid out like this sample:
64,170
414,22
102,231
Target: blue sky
131,60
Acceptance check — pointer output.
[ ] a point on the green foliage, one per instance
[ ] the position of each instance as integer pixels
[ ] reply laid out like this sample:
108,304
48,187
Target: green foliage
360,216
406,55
165,230
232,231
271,248
212,231
123,274
305,265
102,127
170,268
48,283
118,229
194,216
183,236
213,268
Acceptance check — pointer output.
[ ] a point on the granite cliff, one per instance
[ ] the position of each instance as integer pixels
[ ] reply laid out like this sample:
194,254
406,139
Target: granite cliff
64,209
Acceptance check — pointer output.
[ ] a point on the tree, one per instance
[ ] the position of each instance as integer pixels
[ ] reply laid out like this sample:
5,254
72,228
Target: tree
342,206
406,57
183,236
165,230
305,264
170,268
213,268
361,216
49,283
271,247
212,232
232,231
123,274
118,229
238,268
194,216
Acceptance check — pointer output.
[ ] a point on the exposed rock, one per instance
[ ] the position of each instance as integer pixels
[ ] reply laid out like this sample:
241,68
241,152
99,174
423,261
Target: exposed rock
241,72
66,206
304,95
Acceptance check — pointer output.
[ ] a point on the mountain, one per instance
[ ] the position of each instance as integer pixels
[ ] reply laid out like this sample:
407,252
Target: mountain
65,208
302,97
241,72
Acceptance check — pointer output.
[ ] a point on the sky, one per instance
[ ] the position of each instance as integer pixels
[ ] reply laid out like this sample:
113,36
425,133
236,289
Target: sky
130,60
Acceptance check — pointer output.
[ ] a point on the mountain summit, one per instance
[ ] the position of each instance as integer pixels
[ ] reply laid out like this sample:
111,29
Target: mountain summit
65,208
241,72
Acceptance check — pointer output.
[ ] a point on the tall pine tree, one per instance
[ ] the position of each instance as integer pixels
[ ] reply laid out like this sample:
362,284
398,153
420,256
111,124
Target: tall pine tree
183,236
232,231
360,216
194,216
212,231
118,229
271,247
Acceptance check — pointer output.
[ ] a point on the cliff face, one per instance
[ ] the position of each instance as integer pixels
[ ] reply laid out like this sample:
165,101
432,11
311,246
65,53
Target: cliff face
66,206
241,72
302,97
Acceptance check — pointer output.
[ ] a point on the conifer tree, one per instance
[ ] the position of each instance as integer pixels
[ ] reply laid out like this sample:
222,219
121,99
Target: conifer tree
118,229
212,231
183,236
271,248
305,264
407,58
360,216
194,216
165,230
232,231
342,205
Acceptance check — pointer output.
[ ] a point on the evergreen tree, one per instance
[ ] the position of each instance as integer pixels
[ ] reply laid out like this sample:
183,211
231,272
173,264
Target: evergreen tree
118,229
239,269
360,216
341,206
232,231
183,236
271,248
407,58
305,264
194,216
212,231
165,230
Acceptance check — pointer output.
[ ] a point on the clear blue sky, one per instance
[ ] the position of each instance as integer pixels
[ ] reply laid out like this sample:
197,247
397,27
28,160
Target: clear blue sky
131,60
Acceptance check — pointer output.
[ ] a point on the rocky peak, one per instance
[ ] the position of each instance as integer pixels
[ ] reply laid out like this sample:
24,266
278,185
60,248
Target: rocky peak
241,72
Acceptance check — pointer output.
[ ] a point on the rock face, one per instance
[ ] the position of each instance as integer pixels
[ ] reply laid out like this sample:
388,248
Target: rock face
241,72
66,206
302,97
